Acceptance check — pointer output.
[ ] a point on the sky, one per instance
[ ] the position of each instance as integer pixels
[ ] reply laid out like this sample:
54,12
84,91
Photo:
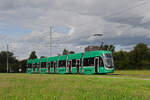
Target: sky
25,25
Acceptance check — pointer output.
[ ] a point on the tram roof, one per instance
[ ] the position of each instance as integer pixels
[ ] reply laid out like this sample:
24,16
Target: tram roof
75,56
43,59
62,57
52,58
98,53
36,61
29,61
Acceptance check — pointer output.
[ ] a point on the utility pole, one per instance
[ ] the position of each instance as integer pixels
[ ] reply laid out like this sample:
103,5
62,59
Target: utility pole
50,41
7,57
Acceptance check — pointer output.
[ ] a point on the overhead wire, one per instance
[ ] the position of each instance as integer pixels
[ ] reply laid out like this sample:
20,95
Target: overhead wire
128,8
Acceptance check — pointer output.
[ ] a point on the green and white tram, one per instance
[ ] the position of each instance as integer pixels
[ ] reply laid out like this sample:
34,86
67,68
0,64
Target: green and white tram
92,62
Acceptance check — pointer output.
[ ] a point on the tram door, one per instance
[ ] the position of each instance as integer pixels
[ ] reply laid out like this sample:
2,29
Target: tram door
96,64
54,64
70,65
78,65
49,66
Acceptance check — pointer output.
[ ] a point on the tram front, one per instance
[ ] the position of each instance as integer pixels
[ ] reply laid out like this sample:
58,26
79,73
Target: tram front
108,61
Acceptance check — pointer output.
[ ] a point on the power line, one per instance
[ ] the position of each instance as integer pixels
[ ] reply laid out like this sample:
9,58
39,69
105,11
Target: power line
124,10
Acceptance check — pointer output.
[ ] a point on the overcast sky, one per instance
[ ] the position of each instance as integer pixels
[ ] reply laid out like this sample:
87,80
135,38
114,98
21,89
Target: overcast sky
24,24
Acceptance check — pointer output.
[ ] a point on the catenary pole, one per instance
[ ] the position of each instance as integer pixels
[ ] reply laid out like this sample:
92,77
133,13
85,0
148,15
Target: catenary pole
7,57
50,44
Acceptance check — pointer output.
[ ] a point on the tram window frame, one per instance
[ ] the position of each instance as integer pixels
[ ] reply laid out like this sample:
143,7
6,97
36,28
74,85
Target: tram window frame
62,63
86,60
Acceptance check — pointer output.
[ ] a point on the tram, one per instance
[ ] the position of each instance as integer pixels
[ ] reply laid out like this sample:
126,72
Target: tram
92,62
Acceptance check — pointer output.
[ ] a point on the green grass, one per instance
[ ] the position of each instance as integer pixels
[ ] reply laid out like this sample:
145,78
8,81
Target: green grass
138,72
144,74
71,87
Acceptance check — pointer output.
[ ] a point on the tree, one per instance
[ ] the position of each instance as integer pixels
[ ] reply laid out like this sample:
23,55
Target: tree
140,56
71,52
42,57
65,52
33,55
13,62
121,60
108,47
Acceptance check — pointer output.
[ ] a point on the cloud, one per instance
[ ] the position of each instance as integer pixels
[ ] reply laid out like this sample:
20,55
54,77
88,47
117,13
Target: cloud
123,23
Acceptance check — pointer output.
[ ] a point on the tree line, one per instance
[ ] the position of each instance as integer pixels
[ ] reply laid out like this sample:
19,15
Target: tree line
138,58
14,64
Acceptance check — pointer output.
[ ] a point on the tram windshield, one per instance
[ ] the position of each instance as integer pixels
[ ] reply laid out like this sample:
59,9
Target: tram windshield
108,60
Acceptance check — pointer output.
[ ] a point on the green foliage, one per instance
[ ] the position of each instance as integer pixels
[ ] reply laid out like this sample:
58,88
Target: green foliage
138,58
33,55
42,57
3,61
108,47
66,52
71,52
121,59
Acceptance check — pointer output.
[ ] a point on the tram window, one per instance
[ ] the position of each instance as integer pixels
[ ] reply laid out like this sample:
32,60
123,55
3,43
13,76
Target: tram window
35,65
74,63
88,61
78,63
52,63
62,63
29,65
43,64
32,65
108,56
101,62
48,64
38,65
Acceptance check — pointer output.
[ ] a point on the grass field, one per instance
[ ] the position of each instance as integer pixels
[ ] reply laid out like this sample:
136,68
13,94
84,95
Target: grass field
138,72
74,87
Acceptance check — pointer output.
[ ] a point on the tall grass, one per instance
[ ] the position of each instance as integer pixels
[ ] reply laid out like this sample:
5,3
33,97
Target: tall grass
71,87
